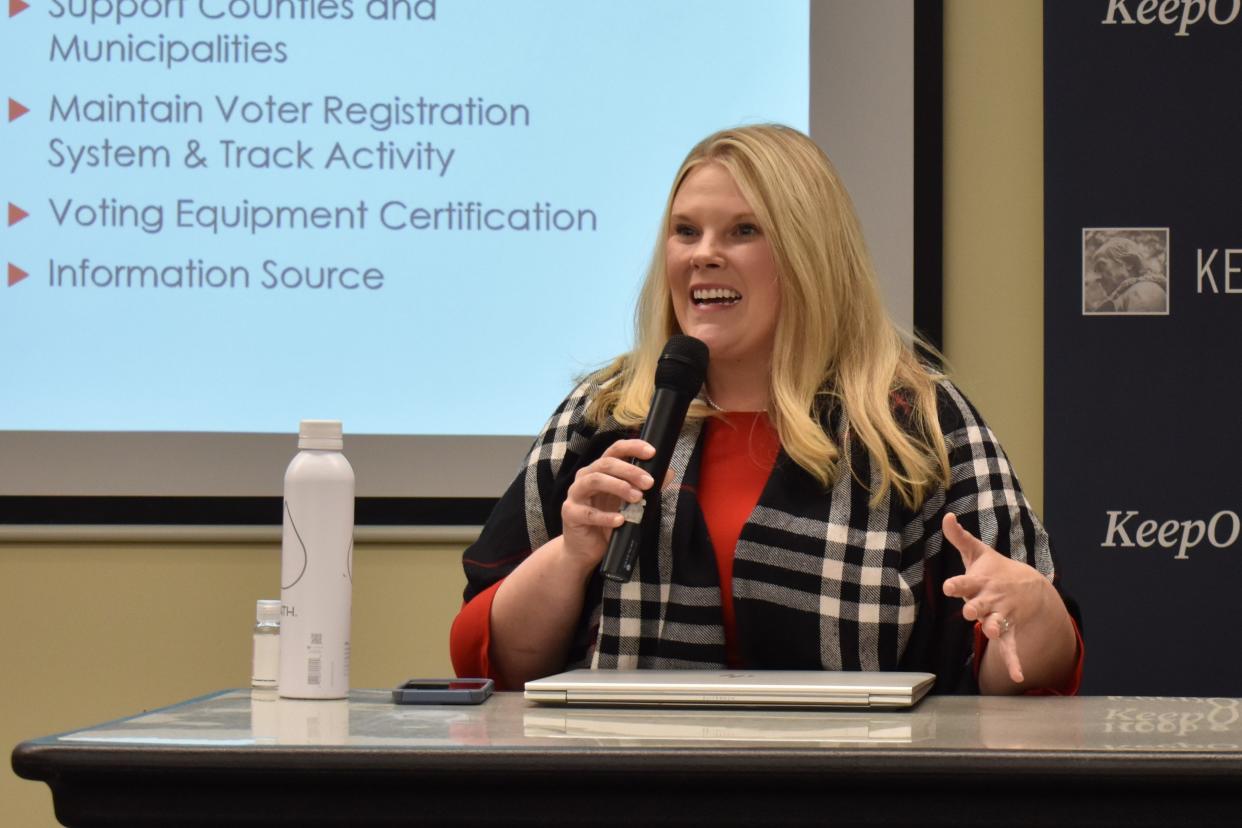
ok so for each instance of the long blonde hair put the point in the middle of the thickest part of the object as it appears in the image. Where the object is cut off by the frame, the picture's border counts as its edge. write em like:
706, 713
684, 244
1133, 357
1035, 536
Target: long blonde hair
834, 342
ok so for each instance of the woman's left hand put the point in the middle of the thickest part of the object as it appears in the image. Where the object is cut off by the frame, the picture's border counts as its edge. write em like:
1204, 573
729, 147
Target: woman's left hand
1008, 597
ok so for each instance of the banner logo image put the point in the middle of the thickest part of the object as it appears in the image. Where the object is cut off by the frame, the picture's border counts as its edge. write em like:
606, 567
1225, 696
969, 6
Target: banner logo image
1125, 271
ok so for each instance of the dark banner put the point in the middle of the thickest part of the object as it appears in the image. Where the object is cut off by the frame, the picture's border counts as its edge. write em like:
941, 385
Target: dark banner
1143, 336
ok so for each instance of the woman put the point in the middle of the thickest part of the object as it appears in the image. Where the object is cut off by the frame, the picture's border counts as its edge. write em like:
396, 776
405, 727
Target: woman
802, 521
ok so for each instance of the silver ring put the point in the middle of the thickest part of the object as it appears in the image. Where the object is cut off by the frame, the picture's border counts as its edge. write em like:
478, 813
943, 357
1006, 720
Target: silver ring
1005, 625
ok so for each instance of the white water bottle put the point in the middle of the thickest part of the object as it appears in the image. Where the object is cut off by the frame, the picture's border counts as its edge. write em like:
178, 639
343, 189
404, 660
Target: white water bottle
316, 566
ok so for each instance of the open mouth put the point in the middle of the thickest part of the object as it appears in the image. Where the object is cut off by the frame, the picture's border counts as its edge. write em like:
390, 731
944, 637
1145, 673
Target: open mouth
715, 296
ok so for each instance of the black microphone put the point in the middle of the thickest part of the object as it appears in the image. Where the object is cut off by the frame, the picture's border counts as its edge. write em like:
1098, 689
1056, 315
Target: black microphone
678, 378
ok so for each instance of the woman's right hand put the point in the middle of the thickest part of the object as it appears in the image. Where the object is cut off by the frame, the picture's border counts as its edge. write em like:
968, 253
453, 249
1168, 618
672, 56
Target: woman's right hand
536, 608
591, 508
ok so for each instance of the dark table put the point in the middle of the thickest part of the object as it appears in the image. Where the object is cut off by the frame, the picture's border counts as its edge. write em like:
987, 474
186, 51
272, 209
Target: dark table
229, 759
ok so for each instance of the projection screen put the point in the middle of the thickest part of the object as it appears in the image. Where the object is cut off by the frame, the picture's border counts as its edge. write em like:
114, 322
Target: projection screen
425, 219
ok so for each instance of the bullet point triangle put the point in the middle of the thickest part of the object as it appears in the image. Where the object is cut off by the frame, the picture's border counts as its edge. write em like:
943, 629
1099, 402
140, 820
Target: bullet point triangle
16, 214
16, 274
16, 7
16, 110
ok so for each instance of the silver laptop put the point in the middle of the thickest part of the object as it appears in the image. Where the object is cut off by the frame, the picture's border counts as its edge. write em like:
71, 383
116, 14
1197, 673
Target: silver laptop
730, 688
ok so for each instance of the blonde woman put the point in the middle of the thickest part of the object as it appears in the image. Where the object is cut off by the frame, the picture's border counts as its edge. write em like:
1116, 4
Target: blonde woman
803, 519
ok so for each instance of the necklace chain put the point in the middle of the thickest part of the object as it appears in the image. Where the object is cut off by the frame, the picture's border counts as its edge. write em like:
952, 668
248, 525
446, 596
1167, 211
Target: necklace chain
710, 402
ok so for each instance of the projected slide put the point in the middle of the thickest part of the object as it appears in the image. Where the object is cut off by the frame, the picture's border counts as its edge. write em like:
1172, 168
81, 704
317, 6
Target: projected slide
417, 216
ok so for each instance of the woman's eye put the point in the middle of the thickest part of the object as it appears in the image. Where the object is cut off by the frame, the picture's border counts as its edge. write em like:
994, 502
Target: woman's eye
683, 230
747, 230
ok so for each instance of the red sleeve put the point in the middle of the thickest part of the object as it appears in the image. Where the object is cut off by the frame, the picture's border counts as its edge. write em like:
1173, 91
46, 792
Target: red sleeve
470, 636
1070, 688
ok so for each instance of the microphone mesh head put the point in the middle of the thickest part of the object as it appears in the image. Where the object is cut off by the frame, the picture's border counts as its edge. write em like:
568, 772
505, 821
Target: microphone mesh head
683, 365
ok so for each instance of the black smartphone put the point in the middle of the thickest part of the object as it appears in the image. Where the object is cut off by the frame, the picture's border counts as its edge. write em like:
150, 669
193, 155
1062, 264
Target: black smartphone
443, 691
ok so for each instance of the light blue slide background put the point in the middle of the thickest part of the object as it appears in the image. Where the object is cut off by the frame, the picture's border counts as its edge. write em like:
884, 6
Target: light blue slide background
474, 332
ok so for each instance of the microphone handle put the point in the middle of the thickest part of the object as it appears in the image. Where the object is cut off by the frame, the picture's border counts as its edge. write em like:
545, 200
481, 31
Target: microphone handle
664, 421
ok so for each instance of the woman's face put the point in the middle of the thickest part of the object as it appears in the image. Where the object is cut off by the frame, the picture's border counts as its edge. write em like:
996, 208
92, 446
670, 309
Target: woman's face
721, 271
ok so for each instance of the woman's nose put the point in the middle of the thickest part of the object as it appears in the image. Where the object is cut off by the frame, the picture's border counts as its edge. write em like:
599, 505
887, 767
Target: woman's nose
706, 253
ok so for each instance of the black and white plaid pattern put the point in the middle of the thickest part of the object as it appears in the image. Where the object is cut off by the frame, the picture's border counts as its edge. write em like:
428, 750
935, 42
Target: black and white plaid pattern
821, 579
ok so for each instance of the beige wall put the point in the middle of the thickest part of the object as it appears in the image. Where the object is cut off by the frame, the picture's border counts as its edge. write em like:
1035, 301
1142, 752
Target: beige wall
994, 220
96, 631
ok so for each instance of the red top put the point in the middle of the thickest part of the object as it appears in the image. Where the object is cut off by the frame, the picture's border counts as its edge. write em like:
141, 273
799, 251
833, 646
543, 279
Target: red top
738, 454
739, 451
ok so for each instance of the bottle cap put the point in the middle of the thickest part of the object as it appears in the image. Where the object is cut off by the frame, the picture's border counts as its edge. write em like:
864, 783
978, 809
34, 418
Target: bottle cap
267, 610
320, 434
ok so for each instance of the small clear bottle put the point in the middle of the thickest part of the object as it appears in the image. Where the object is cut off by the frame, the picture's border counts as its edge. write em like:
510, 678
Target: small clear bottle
266, 665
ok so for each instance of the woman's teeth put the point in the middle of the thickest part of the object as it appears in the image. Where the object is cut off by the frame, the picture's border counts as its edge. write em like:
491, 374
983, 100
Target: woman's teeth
715, 296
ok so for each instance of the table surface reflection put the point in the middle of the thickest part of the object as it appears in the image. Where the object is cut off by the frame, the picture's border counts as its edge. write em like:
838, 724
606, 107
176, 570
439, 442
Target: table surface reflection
1144, 761
368, 719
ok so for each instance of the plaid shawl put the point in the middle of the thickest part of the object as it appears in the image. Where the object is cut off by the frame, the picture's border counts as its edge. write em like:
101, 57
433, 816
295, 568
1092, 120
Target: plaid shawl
821, 579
